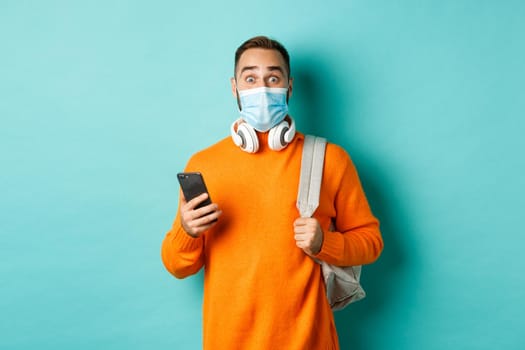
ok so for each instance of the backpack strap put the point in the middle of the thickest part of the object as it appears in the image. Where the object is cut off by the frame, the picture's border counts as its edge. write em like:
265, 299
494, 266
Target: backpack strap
342, 283
311, 175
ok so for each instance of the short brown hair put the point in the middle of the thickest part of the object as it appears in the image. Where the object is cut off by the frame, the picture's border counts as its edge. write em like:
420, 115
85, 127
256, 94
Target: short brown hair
262, 42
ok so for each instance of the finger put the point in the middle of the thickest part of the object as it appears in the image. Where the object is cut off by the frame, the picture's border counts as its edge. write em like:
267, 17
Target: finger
305, 229
208, 220
198, 226
301, 230
191, 204
202, 224
301, 221
193, 216
305, 238
206, 210
306, 222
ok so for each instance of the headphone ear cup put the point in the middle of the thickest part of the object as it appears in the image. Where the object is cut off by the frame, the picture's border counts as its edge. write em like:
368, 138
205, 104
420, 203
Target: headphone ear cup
250, 142
276, 138
290, 133
237, 140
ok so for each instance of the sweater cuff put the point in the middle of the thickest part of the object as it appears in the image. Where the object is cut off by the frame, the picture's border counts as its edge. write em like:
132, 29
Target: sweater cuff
185, 241
333, 243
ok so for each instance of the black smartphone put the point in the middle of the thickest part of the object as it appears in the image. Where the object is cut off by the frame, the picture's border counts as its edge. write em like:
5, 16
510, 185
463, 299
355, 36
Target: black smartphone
192, 185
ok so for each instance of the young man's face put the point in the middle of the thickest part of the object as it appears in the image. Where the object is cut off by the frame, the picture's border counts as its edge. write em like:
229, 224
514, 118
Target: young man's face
261, 67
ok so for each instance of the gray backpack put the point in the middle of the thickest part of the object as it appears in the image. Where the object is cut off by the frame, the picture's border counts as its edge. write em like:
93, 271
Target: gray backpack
342, 283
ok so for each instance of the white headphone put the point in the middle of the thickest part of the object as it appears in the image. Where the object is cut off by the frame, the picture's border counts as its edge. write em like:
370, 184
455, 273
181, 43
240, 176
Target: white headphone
245, 136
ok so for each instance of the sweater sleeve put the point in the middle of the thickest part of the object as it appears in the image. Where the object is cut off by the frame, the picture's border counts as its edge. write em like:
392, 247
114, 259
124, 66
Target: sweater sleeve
356, 239
182, 254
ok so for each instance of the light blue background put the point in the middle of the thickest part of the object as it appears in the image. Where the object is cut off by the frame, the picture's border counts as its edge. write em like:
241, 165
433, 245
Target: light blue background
102, 103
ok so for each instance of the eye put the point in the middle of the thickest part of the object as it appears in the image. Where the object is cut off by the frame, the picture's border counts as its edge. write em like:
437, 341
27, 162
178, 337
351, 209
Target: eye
273, 80
250, 80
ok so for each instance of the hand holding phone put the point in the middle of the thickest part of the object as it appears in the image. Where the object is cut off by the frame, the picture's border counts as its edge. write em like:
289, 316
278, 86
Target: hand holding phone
192, 185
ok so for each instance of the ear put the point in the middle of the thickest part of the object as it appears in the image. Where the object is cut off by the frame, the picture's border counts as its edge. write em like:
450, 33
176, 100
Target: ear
234, 87
290, 87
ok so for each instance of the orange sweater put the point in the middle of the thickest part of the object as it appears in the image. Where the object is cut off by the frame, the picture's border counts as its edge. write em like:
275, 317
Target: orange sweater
260, 290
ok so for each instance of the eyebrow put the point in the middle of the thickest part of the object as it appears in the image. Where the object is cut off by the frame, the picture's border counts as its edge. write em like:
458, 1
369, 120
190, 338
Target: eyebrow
247, 68
270, 68
278, 68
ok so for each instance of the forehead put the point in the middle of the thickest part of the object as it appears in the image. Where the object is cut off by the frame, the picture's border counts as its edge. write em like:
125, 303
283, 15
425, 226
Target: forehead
260, 59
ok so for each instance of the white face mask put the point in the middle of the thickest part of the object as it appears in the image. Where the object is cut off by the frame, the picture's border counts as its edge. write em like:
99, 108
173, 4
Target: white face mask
263, 108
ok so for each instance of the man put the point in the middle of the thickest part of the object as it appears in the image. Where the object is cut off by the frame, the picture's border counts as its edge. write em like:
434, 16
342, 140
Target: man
262, 287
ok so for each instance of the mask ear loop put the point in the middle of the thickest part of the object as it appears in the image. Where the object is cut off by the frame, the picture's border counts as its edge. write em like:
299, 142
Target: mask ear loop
288, 92
237, 95
238, 101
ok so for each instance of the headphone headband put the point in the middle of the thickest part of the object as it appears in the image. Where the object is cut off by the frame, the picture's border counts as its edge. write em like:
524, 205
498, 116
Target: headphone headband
245, 136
